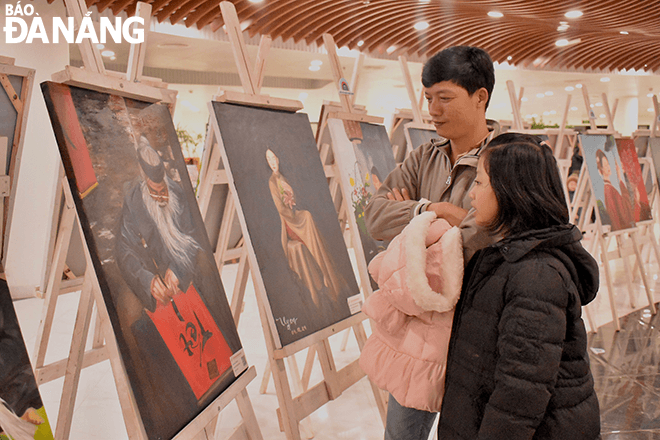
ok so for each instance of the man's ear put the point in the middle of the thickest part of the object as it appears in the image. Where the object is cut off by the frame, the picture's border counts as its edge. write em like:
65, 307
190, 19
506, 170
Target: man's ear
482, 96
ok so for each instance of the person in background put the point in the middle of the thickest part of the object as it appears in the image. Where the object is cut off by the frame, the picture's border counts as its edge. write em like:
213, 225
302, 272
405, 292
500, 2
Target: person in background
437, 177
517, 365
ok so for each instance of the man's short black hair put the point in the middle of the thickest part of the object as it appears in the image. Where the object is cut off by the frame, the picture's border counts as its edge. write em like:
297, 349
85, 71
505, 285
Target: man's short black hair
525, 178
466, 66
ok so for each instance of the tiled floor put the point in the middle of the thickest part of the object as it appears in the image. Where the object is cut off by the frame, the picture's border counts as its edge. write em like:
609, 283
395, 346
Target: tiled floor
626, 367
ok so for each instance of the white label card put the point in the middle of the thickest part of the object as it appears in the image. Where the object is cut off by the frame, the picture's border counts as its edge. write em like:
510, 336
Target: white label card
238, 362
355, 303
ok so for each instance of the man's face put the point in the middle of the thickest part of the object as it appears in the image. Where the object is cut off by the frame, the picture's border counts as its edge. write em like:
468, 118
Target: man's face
159, 192
455, 113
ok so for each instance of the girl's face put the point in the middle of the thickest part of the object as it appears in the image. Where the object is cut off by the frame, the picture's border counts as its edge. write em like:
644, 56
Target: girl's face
483, 197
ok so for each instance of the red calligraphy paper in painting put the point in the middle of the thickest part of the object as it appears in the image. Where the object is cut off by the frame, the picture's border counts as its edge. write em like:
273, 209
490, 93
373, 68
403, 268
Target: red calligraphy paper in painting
76, 145
194, 339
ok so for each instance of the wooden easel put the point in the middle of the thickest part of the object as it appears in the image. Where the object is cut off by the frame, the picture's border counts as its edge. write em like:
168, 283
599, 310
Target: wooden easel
419, 119
104, 343
20, 101
292, 409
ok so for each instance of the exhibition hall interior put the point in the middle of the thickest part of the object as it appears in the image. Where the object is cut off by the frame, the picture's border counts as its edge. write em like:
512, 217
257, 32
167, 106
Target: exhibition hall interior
194, 229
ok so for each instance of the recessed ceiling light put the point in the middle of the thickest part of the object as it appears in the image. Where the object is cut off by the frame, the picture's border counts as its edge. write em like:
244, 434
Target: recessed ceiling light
540, 95
578, 86
599, 104
591, 105
553, 112
650, 109
573, 14
113, 58
535, 115
100, 46
314, 68
108, 53
549, 93
391, 49
524, 99
316, 62
574, 108
569, 88
256, 1
495, 14
562, 27
605, 79
421, 25
528, 116
623, 32
602, 115
509, 58
360, 43
546, 113
561, 43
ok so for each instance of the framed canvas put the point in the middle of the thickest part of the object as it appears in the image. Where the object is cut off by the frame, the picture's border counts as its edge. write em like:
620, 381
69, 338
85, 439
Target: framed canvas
416, 136
606, 172
150, 251
632, 176
365, 159
654, 146
22, 412
285, 206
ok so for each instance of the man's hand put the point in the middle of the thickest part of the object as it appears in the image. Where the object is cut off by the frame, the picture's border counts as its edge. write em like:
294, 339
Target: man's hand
399, 196
452, 213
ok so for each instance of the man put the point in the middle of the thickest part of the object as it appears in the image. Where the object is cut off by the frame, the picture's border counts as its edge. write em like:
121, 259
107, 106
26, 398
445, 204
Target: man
437, 176
158, 251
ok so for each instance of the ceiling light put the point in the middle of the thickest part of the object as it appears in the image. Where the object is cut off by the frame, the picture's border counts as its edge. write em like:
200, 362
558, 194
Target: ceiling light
605, 79
113, 58
391, 49
524, 99
256, 1
650, 110
360, 43
569, 88
602, 116
509, 58
562, 27
573, 14
535, 115
599, 104
578, 86
623, 32
549, 93
314, 68
553, 112
574, 108
421, 25
540, 95
591, 105
561, 43
108, 53
100, 46
546, 113
495, 14
528, 116
316, 62
649, 95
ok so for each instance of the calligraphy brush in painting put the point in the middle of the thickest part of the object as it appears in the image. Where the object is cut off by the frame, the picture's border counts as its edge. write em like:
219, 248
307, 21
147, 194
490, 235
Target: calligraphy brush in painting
160, 278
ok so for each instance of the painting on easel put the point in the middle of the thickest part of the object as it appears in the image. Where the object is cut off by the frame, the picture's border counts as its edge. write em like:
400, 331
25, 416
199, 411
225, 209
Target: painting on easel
9, 117
292, 223
148, 245
419, 136
22, 413
609, 184
632, 173
367, 159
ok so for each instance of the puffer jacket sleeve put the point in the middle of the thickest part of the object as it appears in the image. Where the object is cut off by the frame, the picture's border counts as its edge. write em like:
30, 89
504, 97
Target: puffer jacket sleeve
531, 329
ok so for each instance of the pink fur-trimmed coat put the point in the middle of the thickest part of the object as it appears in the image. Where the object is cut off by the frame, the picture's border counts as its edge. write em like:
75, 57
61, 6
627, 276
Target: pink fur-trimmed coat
406, 353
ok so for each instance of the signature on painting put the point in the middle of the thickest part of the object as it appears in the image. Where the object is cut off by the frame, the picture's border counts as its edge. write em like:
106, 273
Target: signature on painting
287, 322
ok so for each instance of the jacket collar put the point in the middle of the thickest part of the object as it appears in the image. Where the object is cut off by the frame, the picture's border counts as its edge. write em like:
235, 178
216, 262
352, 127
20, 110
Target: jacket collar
515, 247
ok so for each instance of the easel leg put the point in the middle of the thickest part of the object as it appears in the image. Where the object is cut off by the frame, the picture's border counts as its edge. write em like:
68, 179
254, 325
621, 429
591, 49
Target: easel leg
608, 277
238, 295
626, 267
642, 272
248, 415
344, 341
264, 380
305, 424
309, 364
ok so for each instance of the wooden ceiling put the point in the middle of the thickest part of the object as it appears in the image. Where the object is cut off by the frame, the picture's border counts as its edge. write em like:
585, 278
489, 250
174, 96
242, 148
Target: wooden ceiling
525, 35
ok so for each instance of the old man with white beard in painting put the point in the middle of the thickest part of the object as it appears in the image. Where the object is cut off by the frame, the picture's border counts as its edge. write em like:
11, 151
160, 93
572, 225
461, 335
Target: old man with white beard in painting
183, 351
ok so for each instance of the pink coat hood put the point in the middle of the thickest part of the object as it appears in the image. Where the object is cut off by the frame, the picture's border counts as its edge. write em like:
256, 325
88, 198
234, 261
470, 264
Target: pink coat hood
413, 310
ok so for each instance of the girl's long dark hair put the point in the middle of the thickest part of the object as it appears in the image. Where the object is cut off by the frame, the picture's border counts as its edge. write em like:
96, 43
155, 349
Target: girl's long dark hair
525, 179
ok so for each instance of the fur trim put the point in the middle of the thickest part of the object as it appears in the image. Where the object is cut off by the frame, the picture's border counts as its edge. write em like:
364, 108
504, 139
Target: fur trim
452, 274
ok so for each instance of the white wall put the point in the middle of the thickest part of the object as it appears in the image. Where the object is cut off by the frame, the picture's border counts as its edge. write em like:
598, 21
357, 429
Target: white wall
33, 209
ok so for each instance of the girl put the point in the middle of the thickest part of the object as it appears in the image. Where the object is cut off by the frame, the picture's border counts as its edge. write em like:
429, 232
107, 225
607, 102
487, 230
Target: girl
419, 276
517, 364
